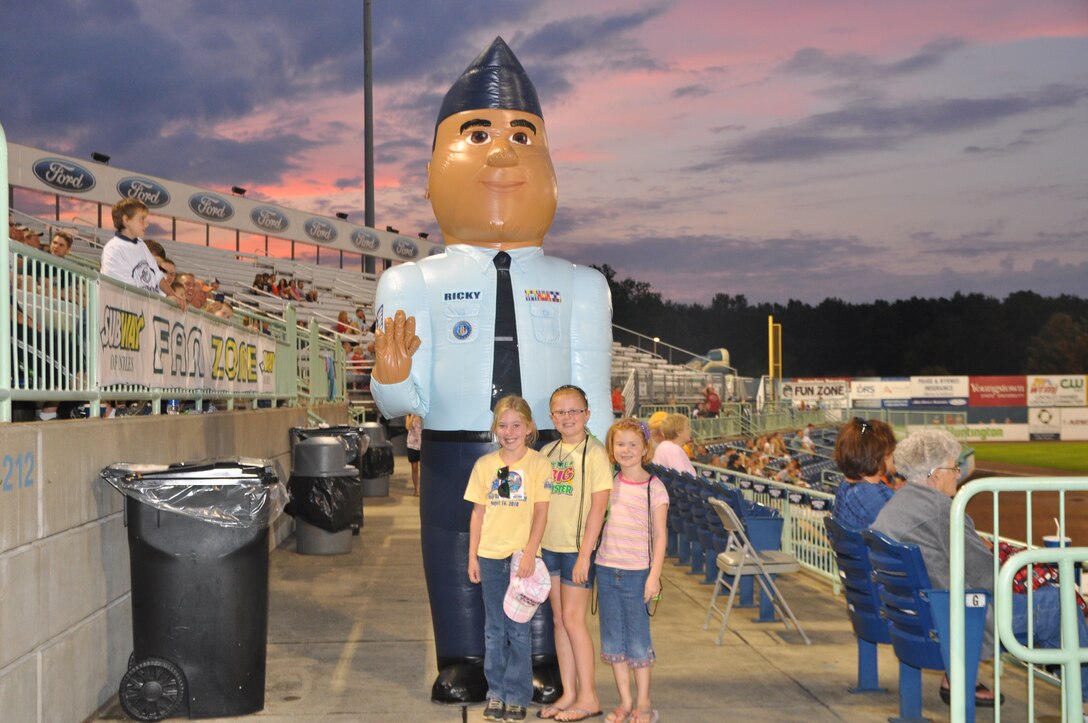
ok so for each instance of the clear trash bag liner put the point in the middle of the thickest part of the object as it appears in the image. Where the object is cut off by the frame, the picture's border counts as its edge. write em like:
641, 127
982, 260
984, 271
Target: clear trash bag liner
240, 492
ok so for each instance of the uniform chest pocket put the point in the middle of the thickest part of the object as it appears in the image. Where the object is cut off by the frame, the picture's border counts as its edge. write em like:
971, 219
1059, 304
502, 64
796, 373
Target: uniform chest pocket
546, 320
463, 322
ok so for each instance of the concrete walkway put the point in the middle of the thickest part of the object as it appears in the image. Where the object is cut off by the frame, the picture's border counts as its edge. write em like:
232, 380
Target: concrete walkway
350, 640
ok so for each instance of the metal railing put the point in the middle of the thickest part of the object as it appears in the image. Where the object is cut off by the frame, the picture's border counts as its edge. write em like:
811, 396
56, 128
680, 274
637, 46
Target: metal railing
803, 511
1070, 656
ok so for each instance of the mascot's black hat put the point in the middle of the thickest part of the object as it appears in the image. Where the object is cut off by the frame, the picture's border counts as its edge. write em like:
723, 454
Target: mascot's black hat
494, 80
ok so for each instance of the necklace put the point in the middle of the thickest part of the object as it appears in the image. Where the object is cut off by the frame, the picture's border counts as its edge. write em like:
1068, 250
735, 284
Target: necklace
564, 457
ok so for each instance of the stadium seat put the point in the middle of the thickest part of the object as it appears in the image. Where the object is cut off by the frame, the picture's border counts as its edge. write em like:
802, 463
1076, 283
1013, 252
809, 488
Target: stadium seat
918, 624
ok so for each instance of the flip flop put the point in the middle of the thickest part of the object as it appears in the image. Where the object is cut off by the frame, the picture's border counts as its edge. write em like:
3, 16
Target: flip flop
544, 712
980, 702
619, 715
638, 716
581, 714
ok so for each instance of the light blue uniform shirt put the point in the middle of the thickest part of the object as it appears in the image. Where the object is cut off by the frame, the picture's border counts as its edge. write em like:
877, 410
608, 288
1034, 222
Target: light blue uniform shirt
564, 322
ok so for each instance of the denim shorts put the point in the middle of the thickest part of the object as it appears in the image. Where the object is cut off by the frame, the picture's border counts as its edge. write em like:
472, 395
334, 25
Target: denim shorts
625, 622
562, 564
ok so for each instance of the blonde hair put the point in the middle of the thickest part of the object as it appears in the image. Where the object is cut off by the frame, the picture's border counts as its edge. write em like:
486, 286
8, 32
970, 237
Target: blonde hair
673, 425
514, 403
630, 424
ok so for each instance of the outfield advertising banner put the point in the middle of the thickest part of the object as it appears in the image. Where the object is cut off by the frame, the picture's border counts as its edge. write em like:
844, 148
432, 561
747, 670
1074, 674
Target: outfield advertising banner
982, 432
815, 390
145, 342
1056, 390
998, 391
1045, 424
1074, 424
939, 387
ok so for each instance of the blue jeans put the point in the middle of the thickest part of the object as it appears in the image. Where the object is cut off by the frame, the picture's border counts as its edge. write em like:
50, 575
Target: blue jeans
508, 665
561, 565
1047, 618
625, 622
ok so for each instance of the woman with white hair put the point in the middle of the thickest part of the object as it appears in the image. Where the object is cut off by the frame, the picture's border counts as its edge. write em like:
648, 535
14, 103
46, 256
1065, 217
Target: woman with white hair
920, 513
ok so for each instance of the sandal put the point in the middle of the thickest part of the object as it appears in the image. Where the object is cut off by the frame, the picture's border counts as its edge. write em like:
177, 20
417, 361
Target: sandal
980, 701
639, 716
618, 715
550, 712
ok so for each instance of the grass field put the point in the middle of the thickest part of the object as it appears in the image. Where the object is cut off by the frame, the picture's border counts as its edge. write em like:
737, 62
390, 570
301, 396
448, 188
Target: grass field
1071, 456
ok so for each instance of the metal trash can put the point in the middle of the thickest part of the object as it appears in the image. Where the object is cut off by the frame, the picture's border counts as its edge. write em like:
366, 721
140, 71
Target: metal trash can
377, 464
355, 441
198, 543
325, 496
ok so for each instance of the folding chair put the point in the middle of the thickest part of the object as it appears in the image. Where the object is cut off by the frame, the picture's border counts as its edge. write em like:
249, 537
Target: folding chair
739, 559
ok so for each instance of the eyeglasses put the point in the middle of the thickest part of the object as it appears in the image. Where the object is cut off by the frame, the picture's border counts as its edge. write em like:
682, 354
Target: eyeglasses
504, 488
935, 470
567, 412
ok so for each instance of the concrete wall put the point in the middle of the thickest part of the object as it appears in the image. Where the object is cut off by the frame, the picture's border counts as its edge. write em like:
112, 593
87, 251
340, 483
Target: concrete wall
65, 615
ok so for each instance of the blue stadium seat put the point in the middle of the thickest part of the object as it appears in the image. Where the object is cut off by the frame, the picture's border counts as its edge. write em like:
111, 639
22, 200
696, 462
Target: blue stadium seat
917, 618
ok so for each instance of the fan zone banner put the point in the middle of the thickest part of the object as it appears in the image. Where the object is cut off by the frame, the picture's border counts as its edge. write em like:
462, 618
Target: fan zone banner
145, 342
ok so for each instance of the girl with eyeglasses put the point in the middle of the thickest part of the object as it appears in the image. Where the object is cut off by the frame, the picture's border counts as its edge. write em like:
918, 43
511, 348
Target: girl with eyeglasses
629, 564
581, 481
509, 492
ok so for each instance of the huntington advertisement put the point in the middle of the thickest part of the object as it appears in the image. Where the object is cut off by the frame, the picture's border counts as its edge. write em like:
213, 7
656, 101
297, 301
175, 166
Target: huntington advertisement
145, 342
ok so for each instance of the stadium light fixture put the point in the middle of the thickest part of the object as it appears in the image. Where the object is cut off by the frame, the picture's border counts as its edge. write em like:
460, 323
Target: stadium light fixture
390, 229
341, 215
238, 190
100, 158
423, 235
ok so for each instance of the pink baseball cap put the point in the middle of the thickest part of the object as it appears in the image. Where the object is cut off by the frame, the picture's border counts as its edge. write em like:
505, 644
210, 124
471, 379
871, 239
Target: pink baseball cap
526, 594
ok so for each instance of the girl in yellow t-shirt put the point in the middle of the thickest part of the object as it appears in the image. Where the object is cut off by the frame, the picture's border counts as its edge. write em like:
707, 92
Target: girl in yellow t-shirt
581, 479
509, 492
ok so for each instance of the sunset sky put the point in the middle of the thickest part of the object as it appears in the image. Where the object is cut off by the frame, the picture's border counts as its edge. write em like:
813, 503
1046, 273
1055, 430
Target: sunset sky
777, 149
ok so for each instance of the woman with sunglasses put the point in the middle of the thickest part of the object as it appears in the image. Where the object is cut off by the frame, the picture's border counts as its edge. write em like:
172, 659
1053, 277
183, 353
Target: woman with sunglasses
863, 452
509, 496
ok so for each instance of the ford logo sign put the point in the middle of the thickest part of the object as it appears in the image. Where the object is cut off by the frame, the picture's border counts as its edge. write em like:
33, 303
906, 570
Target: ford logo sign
319, 230
436, 250
270, 219
211, 206
405, 249
150, 193
365, 239
64, 175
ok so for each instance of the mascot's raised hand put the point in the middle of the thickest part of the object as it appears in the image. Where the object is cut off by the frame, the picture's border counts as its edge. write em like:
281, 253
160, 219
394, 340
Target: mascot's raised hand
393, 349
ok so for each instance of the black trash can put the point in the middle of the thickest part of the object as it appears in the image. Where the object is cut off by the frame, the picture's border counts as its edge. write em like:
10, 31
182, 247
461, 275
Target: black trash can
198, 542
356, 442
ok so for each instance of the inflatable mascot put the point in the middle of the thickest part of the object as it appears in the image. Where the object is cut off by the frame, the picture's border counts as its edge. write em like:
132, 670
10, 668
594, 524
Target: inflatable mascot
491, 316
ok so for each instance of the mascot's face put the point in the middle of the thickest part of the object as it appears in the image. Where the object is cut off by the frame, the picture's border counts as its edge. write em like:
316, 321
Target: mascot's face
490, 179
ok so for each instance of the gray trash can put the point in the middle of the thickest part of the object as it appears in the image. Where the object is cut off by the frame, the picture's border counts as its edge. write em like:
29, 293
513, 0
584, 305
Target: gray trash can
325, 496
377, 464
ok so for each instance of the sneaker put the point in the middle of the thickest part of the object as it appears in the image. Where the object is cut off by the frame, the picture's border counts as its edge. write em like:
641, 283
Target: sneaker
494, 710
514, 712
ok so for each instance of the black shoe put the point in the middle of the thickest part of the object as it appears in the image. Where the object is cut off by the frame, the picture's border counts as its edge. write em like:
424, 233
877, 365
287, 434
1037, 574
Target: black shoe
514, 712
980, 702
460, 682
547, 685
495, 710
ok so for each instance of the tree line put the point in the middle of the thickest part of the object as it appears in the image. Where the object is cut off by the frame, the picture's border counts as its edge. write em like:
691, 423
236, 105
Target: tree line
1024, 333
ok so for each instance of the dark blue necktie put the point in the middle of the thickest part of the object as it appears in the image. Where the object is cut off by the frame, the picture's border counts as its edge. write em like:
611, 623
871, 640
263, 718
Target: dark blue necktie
506, 369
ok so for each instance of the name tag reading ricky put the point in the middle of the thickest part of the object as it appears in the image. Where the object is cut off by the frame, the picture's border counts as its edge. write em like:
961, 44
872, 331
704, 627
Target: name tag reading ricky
974, 600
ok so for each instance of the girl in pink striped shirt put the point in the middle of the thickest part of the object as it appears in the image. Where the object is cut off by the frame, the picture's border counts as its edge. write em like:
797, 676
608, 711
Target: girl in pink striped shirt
629, 564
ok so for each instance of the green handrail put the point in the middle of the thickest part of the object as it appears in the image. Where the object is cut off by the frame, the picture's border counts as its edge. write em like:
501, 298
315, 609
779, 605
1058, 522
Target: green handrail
1070, 656
995, 486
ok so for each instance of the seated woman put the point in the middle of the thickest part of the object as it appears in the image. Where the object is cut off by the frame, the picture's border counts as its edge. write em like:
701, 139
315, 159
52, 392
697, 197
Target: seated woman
675, 432
863, 452
920, 514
